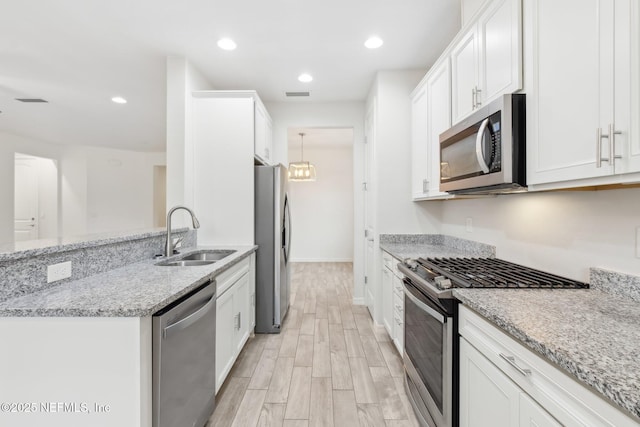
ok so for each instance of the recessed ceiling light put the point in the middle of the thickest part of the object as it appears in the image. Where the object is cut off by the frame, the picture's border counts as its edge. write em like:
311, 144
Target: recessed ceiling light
119, 100
305, 78
373, 42
227, 44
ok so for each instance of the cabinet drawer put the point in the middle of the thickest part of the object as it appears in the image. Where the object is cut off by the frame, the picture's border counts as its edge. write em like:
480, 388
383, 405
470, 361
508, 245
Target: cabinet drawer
229, 277
398, 288
387, 260
570, 402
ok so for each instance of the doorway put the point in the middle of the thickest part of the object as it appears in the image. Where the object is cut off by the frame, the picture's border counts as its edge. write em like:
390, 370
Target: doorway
35, 197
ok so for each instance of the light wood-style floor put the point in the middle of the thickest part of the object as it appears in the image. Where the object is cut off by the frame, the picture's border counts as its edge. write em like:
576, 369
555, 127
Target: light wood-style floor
330, 366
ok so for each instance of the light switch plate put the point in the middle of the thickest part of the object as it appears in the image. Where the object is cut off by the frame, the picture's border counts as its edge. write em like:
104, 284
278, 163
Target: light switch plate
469, 225
58, 271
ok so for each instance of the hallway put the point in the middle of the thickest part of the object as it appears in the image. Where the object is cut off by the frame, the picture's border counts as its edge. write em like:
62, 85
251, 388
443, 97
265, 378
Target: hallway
330, 366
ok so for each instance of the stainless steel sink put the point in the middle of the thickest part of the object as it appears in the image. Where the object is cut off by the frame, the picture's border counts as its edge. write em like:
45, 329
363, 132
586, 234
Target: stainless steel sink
209, 255
184, 263
203, 257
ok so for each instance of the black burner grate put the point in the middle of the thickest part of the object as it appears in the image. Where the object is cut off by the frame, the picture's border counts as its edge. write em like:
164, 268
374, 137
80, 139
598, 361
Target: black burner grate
495, 273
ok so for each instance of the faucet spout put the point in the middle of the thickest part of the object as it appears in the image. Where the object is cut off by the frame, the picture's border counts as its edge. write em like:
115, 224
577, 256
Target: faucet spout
169, 244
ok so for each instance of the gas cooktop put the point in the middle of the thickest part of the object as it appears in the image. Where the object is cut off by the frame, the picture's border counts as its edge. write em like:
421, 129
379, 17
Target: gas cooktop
446, 273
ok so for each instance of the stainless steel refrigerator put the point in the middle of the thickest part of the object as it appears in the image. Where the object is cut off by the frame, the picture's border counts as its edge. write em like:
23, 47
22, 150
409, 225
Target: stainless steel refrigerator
273, 237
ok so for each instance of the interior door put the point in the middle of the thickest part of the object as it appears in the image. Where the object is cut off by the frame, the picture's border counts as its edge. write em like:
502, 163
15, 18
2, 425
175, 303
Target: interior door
369, 210
26, 199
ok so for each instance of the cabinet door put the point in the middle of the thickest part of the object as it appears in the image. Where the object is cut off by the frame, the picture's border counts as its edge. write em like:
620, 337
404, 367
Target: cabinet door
387, 300
500, 38
438, 120
627, 85
487, 396
242, 305
261, 149
225, 336
464, 75
570, 94
533, 415
419, 157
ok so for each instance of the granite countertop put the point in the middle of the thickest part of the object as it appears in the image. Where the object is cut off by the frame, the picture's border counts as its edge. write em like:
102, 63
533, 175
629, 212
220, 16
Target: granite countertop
402, 246
592, 335
136, 290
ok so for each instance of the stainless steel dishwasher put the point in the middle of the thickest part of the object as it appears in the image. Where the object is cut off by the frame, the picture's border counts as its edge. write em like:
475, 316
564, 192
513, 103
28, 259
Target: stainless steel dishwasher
184, 374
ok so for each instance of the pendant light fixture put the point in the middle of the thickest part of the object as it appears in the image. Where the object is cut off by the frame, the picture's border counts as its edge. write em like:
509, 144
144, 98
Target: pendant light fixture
302, 171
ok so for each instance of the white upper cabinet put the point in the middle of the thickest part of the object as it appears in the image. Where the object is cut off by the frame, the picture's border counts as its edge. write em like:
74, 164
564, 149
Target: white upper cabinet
419, 159
582, 85
263, 133
431, 115
486, 61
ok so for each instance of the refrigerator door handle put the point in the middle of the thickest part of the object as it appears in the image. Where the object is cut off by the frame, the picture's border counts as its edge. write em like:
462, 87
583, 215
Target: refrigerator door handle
287, 229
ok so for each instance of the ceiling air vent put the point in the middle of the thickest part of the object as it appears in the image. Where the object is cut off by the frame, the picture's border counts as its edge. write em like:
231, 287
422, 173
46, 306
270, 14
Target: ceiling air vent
31, 100
296, 94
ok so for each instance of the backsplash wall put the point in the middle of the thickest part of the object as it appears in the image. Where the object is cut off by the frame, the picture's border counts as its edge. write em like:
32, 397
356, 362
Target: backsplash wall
564, 232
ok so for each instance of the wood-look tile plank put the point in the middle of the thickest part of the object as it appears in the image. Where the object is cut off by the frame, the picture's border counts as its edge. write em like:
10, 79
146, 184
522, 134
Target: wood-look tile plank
363, 385
289, 343
310, 304
278, 391
334, 314
370, 415
308, 324
299, 394
393, 359
273, 341
304, 352
381, 334
248, 413
228, 401
296, 423
321, 406
372, 351
321, 359
400, 423
402, 394
348, 322
363, 323
248, 359
340, 370
390, 403
321, 331
354, 344
336, 338
345, 411
272, 415
264, 370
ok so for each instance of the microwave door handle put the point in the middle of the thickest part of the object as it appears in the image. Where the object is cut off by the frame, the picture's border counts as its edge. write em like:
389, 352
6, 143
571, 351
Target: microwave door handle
479, 155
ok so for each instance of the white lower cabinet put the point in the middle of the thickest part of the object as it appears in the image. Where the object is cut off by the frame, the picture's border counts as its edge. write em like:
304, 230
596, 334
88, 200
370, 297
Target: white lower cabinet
502, 383
392, 300
236, 293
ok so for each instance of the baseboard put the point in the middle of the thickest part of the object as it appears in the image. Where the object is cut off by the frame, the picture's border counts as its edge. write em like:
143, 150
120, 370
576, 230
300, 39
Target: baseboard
321, 259
358, 301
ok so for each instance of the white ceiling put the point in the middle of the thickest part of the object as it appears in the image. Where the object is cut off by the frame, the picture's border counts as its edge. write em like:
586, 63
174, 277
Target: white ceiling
77, 54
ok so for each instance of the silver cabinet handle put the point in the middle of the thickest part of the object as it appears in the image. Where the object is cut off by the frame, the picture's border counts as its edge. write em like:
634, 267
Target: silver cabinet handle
398, 307
512, 361
599, 158
236, 322
612, 142
239, 320
479, 154
473, 98
425, 184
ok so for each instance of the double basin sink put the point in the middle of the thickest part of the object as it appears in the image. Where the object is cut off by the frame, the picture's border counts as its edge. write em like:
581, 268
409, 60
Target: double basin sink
202, 257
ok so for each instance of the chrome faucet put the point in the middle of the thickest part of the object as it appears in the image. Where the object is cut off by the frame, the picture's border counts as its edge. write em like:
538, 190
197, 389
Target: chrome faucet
168, 250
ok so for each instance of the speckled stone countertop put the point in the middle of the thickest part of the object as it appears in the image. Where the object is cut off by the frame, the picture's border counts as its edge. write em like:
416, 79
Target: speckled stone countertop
403, 246
136, 290
592, 335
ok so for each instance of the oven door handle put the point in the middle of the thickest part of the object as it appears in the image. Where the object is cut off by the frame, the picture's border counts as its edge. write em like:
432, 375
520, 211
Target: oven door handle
424, 307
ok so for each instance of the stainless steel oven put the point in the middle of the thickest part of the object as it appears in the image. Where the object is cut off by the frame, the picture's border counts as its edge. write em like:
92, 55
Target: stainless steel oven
429, 357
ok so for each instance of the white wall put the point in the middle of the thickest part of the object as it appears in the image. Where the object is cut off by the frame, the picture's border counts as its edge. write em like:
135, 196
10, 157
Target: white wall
47, 198
120, 189
340, 114
182, 79
322, 211
561, 232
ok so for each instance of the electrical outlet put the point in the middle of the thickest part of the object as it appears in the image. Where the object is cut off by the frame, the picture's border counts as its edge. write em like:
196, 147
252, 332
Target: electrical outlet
58, 271
469, 224
637, 242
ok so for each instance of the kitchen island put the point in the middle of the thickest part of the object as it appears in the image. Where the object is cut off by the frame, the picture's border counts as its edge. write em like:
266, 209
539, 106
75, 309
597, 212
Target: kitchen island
80, 353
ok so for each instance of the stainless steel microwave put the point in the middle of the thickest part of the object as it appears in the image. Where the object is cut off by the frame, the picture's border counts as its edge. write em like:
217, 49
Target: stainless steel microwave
486, 152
